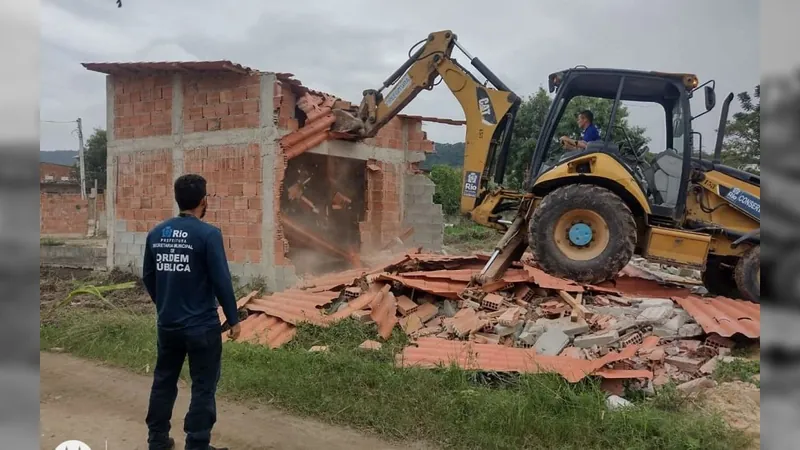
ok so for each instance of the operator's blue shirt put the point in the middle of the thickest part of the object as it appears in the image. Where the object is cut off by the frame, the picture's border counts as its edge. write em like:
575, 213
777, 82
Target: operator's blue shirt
591, 133
184, 269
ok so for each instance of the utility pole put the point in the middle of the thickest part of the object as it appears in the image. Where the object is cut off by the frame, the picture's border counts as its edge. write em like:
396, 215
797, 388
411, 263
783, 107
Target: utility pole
80, 156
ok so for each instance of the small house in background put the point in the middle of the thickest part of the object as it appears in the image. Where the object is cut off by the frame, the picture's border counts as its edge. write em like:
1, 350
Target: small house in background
56, 173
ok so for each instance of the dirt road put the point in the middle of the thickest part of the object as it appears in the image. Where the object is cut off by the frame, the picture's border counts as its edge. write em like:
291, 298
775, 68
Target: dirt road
96, 404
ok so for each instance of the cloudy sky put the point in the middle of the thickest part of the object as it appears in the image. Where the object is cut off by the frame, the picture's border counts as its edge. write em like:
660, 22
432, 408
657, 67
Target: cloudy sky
346, 46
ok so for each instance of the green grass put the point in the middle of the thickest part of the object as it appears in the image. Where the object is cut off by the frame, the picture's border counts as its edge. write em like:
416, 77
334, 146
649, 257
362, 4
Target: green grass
739, 369
467, 235
447, 407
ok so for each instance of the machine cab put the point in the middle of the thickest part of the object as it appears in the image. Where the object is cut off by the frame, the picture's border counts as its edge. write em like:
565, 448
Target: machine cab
659, 160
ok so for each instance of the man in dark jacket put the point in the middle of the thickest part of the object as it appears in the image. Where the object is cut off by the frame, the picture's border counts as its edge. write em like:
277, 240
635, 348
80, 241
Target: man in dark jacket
184, 269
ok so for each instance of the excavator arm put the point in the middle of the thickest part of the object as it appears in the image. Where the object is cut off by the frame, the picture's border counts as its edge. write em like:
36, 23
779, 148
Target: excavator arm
489, 113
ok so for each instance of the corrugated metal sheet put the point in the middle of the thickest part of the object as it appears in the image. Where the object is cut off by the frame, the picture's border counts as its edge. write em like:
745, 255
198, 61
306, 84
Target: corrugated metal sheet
449, 289
295, 306
433, 352
239, 305
723, 315
640, 287
510, 276
129, 68
547, 281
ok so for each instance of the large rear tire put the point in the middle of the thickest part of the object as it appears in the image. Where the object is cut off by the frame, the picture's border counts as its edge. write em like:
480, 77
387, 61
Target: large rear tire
719, 278
748, 274
582, 232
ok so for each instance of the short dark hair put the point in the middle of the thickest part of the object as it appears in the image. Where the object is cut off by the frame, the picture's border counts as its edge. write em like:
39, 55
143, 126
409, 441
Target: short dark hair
190, 190
588, 114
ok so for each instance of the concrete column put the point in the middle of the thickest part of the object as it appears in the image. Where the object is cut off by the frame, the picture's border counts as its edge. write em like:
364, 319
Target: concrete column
111, 173
177, 131
267, 142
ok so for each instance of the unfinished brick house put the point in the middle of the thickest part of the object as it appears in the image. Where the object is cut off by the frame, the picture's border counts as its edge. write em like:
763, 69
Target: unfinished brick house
289, 195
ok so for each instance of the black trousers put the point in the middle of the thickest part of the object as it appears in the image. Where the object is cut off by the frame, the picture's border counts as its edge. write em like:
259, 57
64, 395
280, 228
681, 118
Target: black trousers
203, 346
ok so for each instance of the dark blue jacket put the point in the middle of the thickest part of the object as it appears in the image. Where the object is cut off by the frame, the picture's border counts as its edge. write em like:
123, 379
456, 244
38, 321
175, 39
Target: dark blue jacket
591, 133
184, 269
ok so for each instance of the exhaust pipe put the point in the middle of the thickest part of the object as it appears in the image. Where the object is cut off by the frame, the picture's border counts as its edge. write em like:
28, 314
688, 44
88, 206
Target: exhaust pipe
723, 122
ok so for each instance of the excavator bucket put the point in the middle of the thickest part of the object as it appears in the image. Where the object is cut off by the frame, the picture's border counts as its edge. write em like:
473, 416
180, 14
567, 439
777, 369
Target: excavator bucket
347, 123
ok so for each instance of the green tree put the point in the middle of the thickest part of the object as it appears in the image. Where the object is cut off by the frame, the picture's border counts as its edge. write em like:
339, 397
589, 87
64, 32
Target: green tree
448, 187
742, 144
530, 121
445, 153
94, 158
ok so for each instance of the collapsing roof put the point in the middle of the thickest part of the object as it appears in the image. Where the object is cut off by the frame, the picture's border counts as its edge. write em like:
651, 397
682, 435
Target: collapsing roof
220, 66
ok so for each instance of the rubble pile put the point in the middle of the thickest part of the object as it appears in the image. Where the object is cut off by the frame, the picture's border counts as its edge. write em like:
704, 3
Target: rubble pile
528, 321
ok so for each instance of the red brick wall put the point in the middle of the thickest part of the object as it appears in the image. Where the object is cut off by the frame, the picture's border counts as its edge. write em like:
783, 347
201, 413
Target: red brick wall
144, 189
65, 213
284, 103
391, 136
382, 220
55, 170
234, 181
221, 102
142, 106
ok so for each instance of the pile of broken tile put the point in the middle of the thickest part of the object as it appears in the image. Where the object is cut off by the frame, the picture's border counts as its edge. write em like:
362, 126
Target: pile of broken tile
634, 327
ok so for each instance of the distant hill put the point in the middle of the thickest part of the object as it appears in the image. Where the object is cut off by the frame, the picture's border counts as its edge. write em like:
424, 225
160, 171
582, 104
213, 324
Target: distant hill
63, 157
447, 154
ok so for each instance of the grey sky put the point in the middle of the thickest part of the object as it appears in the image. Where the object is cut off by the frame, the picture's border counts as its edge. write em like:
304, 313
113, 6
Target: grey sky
346, 46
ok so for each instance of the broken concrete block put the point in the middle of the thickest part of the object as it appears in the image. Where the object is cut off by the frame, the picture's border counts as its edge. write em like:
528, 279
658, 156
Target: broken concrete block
551, 342
470, 304
690, 330
655, 315
370, 345
530, 333
685, 364
510, 317
601, 339
449, 308
340, 307
697, 385
319, 348
645, 303
502, 330
614, 402
624, 325
675, 322
664, 331
619, 312
566, 325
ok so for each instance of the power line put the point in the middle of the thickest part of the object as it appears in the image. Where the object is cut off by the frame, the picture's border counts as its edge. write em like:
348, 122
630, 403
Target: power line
58, 121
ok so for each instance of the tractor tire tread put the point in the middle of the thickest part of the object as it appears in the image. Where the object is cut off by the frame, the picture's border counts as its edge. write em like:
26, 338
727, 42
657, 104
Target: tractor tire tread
606, 265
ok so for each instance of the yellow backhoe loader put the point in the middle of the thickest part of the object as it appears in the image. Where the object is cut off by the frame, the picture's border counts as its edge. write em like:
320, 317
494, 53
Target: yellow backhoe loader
584, 213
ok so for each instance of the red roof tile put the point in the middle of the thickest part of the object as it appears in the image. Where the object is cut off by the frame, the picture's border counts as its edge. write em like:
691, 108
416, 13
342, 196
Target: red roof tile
167, 66
295, 306
265, 330
723, 315
433, 352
